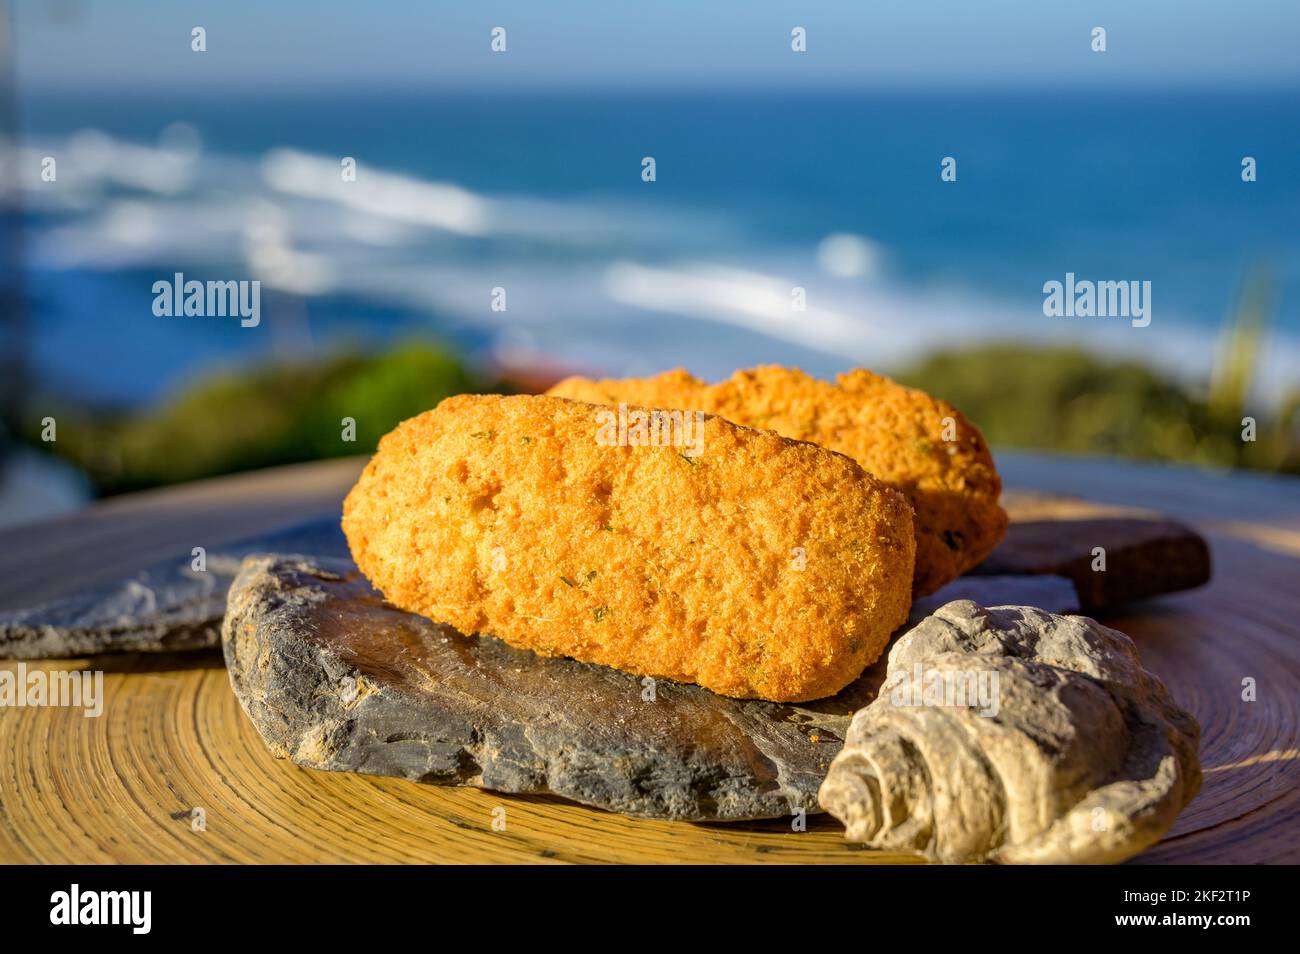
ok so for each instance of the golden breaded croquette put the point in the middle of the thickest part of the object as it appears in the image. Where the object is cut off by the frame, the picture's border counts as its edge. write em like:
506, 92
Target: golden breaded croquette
917, 444
753, 565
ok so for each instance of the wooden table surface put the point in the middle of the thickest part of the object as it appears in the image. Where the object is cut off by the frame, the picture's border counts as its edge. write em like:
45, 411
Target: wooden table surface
122, 787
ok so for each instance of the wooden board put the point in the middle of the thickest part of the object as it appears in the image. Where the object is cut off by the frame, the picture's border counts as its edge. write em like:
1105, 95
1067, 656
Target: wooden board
121, 787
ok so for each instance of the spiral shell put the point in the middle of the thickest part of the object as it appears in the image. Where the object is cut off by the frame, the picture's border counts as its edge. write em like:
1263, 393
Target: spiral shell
1014, 735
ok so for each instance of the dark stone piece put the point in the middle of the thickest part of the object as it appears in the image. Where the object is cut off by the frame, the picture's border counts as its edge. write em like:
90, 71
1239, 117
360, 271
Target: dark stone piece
1144, 558
169, 607
1052, 594
334, 678
164, 608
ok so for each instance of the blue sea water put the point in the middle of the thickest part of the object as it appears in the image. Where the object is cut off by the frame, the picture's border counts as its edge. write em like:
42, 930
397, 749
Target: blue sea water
837, 193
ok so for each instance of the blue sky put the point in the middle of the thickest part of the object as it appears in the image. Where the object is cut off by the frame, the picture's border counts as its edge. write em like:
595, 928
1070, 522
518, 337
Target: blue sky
134, 45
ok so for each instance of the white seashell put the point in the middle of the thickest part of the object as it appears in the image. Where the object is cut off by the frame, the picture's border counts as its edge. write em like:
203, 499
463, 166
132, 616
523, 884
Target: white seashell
1018, 736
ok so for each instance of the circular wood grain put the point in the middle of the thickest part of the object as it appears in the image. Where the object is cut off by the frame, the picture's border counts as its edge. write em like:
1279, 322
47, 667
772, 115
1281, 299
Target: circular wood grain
122, 787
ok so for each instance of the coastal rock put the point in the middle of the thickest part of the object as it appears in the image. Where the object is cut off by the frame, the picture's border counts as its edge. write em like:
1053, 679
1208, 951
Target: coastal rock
1017, 736
336, 679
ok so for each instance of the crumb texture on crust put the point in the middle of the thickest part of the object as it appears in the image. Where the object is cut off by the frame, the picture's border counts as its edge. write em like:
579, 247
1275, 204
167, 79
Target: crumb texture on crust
898, 434
761, 568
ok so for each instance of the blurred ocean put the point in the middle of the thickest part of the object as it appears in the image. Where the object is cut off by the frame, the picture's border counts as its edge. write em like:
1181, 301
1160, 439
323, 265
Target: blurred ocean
755, 194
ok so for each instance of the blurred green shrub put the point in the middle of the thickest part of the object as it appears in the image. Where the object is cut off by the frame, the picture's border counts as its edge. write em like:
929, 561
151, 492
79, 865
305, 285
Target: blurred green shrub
1038, 399
1067, 399
279, 413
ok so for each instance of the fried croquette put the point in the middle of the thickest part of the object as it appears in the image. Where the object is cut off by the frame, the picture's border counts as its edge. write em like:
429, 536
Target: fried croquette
917, 444
753, 565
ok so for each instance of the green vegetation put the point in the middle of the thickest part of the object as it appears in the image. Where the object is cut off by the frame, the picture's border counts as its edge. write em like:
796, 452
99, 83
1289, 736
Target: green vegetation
276, 414
1041, 399
1066, 399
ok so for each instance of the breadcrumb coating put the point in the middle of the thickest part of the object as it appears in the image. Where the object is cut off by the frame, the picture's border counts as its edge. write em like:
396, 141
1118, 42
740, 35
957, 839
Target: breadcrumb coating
918, 444
761, 568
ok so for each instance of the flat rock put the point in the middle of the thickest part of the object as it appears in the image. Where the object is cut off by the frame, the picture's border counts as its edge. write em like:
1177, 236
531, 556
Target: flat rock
169, 607
1144, 558
164, 608
1055, 594
334, 678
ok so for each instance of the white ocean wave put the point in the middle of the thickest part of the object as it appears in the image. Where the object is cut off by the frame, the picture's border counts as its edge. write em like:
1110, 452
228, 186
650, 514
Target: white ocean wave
589, 281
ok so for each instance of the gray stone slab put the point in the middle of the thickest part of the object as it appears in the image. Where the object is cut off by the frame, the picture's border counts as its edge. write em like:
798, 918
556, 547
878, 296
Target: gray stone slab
334, 678
164, 608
